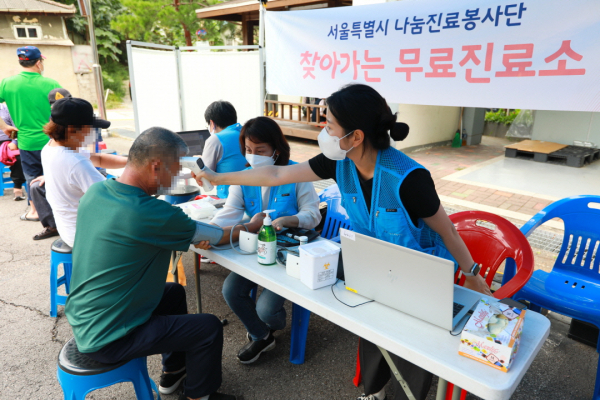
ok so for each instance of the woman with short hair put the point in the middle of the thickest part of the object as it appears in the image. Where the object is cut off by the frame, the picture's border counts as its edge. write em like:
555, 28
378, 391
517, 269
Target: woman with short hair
295, 205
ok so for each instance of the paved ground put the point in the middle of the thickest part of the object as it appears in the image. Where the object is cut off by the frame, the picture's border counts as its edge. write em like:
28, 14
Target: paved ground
30, 340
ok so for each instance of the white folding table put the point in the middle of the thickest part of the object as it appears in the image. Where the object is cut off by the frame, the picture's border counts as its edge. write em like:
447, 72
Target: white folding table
428, 346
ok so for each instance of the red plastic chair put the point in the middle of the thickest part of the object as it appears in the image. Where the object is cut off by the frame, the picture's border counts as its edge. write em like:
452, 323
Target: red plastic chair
491, 240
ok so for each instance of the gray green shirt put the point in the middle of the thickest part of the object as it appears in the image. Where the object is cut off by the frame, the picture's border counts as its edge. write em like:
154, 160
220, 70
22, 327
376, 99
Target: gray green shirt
121, 256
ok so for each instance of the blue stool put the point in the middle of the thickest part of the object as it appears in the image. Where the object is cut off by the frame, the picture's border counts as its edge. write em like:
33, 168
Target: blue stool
78, 374
5, 183
61, 254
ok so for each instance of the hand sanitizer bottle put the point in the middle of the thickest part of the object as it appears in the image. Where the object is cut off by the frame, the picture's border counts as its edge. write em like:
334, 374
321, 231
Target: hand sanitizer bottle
267, 241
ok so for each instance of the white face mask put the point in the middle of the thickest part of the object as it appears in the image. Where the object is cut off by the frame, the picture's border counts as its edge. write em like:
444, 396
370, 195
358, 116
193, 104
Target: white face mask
41, 68
330, 145
257, 161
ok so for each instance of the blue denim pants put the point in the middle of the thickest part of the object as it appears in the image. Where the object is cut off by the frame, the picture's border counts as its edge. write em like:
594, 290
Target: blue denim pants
260, 317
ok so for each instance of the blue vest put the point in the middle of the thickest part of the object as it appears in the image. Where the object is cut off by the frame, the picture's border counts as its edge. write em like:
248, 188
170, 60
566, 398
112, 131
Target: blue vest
282, 199
232, 160
388, 219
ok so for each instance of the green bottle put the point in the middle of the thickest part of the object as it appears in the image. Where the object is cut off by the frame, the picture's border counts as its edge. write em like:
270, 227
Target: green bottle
267, 241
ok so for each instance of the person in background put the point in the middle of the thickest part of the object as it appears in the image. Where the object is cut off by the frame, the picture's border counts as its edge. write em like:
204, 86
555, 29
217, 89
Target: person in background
57, 94
16, 170
222, 150
120, 306
68, 165
26, 96
358, 156
296, 205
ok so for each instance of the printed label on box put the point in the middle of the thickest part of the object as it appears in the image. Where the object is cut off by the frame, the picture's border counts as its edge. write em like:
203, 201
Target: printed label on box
492, 334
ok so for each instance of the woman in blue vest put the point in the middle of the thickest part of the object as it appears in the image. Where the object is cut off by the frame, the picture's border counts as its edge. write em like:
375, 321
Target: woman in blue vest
296, 205
386, 194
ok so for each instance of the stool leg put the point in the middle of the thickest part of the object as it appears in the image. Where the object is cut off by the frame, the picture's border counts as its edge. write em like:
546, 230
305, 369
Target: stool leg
69, 386
142, 382
253, 294
300, 320
68, 268
53, 287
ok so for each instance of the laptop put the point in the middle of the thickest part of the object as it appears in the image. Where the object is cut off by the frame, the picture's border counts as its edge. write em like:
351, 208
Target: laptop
407, 280
195, 141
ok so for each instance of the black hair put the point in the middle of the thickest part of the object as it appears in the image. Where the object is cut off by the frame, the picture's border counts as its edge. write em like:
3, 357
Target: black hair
222, 113
358, 106
265, 130
28, 63
156, 143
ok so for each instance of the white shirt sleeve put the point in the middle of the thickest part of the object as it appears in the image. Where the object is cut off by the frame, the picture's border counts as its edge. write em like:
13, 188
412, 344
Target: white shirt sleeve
308, 206
212, 153
83, 175
233, 210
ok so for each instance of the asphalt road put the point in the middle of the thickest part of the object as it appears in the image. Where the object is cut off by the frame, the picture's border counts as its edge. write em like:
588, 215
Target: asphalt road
30, 339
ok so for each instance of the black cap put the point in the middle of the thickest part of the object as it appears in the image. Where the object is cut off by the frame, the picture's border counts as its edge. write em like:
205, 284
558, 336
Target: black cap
74, 111
57, 94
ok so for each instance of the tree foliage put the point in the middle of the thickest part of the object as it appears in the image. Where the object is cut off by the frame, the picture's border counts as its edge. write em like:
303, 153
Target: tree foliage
108, 40
171, 22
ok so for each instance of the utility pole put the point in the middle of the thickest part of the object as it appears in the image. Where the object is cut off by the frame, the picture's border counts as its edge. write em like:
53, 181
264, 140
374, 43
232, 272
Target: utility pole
85, 7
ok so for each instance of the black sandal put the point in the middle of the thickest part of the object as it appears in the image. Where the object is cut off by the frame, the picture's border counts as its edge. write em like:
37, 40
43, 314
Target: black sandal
46, 233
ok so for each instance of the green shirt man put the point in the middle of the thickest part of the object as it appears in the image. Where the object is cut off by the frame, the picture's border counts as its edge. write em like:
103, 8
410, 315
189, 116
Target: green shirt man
26, 96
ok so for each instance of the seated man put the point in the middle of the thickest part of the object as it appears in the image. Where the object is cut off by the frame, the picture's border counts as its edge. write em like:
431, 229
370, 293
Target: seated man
222, 149
68, 165
120, 307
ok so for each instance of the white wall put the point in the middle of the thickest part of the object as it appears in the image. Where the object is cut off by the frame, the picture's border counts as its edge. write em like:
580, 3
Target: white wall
566, 126
428, 124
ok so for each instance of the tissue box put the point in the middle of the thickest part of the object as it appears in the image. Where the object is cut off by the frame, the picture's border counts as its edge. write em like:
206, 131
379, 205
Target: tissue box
492, 334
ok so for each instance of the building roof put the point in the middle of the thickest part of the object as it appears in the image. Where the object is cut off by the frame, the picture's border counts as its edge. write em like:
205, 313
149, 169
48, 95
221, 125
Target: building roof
35, 6
232, 10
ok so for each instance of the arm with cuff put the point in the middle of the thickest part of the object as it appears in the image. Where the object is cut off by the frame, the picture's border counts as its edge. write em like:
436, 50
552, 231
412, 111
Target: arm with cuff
209, 234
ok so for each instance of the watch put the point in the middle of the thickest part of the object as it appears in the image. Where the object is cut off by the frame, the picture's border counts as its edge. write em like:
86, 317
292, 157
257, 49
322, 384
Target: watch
473, 271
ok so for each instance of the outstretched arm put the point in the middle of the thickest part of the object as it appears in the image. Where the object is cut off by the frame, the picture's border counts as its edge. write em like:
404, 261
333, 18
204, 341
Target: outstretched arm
264, 176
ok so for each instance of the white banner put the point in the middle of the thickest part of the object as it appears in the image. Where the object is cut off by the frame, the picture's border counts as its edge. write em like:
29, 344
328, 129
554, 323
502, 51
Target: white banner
531, 54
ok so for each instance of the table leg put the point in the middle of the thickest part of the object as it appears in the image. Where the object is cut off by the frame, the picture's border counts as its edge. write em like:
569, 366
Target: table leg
397, 374
197, 276
456, 393
174, 267
441, 389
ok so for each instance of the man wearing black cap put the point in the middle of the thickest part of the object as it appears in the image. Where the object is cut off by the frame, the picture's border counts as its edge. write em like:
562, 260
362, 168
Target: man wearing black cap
26, 96
69, 167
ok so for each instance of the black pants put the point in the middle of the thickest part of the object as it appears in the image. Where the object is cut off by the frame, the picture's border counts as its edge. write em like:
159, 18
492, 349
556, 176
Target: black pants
31, 161
16, 171
191, 340
376, 373
38, 196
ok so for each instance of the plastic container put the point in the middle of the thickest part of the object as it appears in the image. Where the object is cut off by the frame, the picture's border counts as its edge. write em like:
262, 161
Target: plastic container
318, 264
292, 266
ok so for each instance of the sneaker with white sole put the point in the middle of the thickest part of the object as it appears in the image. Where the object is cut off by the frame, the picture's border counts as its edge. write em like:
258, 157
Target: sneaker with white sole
170, 382
369, 397
251, 351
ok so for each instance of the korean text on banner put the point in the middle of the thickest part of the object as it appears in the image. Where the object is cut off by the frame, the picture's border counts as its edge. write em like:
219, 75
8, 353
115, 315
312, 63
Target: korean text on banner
531, 54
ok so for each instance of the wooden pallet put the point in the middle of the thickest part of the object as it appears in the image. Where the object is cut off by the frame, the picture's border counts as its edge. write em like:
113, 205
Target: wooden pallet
572, 156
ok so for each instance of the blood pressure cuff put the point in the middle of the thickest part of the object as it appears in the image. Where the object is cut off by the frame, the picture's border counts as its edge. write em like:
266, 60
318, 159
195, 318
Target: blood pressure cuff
204, 231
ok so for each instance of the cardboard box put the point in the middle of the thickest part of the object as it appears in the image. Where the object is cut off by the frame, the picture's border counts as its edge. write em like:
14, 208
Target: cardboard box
492, 334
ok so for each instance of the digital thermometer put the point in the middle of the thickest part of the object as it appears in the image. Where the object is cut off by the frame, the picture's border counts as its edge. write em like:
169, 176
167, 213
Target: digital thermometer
196, 165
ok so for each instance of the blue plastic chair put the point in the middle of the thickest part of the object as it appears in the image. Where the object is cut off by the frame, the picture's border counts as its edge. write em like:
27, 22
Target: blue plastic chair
61, 253
572, 288
336, 218
78, 374
5, 182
